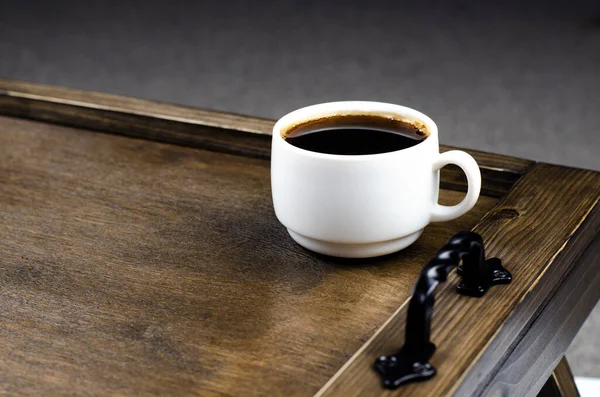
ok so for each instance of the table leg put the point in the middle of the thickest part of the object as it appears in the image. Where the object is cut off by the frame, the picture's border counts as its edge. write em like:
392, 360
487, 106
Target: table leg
560, 383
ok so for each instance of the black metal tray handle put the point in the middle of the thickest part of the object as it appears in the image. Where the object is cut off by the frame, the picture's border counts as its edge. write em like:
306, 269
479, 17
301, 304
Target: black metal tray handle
411, 362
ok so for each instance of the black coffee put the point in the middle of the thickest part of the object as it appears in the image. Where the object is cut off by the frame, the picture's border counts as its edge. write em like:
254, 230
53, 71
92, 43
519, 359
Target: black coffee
355, 135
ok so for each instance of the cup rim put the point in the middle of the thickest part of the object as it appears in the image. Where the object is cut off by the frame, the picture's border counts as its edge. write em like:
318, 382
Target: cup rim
346, 108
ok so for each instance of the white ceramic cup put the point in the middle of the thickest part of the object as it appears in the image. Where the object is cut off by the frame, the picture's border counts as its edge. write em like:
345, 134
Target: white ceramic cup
359, 206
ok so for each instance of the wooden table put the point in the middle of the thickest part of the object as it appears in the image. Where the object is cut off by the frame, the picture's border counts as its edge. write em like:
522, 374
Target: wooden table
140, 255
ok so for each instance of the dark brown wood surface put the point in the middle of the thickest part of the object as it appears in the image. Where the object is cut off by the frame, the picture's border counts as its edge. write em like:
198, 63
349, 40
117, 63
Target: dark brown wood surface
529, 363
218, 131
129, 266
561, 383
539, 229
135, 267
562, 377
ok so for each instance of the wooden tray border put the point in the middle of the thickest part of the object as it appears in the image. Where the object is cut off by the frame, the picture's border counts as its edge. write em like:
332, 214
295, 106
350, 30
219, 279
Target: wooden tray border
185, 126
483, 336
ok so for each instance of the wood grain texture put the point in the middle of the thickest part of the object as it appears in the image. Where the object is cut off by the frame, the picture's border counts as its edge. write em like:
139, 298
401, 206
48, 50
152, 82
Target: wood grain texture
527, 365
561, 383
539, 230
130, 267
217, 131
562, 377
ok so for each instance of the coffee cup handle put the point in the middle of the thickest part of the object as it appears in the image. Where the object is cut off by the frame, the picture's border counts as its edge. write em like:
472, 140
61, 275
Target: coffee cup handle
467, 163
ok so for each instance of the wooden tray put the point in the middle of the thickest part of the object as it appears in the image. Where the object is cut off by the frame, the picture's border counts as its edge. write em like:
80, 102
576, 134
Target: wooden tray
140, 255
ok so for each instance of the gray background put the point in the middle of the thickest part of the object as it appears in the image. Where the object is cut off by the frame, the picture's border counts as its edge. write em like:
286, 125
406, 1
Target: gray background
513, 77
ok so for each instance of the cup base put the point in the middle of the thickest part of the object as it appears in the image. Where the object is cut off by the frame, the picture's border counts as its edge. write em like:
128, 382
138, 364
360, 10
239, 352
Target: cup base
357, 250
